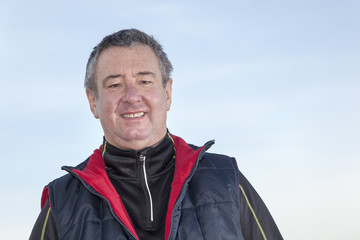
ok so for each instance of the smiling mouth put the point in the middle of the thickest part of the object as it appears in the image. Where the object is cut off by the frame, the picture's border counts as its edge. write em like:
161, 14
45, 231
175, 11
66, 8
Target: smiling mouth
133, 115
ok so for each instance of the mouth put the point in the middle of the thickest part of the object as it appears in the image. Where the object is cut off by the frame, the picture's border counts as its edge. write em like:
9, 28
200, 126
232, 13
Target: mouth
133, 115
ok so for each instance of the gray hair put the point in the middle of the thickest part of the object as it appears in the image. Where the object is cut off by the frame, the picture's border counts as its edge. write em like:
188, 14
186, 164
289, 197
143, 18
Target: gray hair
126, 38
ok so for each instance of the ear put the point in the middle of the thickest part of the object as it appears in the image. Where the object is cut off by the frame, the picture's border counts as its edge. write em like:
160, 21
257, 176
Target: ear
168, 92
92, 102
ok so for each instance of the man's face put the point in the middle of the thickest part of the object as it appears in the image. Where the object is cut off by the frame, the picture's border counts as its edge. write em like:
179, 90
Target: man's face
132, 102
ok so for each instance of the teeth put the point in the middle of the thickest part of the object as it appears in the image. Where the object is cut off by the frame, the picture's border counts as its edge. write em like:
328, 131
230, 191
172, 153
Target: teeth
134, 115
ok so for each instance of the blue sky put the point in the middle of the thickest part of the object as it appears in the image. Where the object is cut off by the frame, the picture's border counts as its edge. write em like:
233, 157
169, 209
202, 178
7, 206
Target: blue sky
276, 84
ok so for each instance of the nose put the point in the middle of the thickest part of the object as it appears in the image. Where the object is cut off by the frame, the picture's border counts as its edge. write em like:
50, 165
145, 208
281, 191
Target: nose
131, 95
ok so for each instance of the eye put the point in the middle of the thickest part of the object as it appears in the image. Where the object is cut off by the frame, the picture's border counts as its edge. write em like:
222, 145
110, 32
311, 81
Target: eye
145, 82
115, 85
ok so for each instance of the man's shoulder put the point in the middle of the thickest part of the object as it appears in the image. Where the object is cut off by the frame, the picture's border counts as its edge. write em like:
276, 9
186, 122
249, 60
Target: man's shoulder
218, 160
214, 173
218, 156
215, 159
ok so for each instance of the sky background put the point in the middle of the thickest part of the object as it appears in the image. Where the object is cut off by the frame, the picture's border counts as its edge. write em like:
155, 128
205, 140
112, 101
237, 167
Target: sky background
275, 83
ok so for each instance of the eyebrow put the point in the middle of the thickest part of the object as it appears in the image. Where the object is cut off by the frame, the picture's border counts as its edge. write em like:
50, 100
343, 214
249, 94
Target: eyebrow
145, 73
142, 73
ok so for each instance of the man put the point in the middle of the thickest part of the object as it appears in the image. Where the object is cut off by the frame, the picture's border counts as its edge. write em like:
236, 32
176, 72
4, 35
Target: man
143, 182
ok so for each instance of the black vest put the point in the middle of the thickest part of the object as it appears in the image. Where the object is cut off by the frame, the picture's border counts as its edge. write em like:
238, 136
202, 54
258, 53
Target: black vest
207, 207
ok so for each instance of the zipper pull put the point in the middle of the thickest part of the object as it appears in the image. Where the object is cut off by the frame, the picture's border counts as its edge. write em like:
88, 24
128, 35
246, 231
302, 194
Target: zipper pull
142, 157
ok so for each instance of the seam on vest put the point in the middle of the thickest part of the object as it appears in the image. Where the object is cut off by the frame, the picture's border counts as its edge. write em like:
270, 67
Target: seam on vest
253, 212
197, 219
206, 204
45, 223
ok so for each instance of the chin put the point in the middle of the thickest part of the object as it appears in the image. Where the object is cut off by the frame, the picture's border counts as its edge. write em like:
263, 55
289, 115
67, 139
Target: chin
136, 135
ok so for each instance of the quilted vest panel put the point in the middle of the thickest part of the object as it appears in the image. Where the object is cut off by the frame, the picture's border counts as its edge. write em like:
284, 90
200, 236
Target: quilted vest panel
210, 208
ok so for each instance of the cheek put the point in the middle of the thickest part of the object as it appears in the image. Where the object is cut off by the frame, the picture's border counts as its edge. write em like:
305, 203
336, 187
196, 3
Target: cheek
158, 102
103, 107
109, 102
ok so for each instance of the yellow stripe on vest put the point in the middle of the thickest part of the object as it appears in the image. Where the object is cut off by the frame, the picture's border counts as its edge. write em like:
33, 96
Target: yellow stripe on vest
253, 212
44, 226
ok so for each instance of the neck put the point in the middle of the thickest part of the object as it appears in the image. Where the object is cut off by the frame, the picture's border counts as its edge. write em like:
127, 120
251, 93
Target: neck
136, 144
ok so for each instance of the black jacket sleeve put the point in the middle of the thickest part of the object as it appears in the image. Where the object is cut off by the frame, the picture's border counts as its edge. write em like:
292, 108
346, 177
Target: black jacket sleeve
255, 219
44, 228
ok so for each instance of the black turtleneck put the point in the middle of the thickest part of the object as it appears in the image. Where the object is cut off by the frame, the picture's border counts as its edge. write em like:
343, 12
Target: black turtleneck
125, 169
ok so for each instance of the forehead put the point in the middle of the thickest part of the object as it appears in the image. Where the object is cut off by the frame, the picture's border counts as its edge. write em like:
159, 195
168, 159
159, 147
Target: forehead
125, 57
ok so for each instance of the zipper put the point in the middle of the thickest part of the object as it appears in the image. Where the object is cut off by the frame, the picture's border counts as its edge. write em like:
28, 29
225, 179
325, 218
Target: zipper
143, 160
